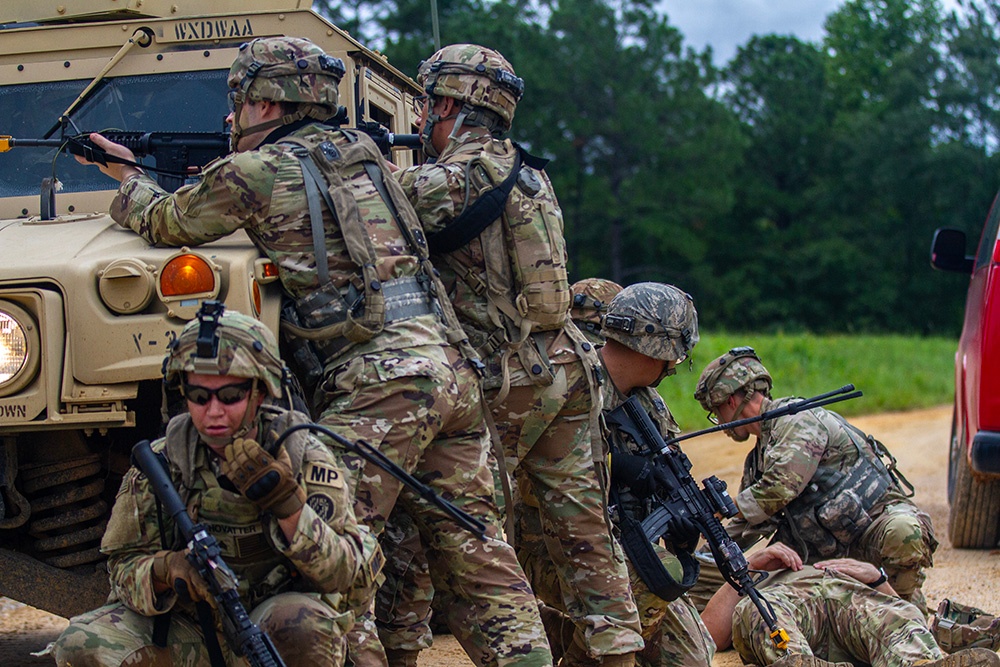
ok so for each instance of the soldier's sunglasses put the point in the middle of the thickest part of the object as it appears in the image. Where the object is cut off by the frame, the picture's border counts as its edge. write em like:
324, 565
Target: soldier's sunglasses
229, 394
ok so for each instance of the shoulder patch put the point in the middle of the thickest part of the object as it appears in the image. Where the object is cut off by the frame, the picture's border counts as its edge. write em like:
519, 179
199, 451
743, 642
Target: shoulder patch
322, 505
324, 474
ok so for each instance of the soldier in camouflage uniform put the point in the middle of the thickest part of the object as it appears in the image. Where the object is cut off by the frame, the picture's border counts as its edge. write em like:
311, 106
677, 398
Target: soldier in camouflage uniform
816, 480
296, 548
650, 328
504, 268
841, 611
591, 297
365, 318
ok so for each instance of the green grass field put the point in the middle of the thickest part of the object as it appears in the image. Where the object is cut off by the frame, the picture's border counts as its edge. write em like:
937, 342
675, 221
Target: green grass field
894, 372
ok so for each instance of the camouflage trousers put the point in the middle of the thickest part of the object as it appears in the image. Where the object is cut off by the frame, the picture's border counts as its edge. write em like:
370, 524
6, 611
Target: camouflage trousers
901, 540
421, 408
546, 440
835, 618
673, 633
304, 628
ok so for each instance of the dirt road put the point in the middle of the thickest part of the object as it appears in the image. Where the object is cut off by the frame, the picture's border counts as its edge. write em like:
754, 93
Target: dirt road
918, 439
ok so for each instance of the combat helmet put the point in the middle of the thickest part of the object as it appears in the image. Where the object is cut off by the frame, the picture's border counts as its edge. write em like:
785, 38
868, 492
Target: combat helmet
481, 78
591, 297
654, 319
284, 69
739, 368
218, 342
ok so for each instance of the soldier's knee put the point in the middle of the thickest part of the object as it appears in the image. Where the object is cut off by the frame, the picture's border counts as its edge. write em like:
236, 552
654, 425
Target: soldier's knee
904, 544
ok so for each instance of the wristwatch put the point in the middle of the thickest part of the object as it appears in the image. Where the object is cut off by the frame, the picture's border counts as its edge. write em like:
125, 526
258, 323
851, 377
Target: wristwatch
882, 578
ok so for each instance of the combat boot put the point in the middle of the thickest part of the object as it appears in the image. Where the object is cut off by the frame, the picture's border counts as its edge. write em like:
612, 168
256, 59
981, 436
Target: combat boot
968, 657
397, 657
803, 660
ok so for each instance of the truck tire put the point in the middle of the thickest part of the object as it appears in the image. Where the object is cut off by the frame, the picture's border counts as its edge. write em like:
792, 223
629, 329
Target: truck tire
974, 519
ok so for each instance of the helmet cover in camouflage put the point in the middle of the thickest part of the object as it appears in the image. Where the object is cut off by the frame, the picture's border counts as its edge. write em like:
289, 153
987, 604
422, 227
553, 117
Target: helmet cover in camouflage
653, 319
591, 297
246, 349
737, 369
957, 626
288, 69
476, 75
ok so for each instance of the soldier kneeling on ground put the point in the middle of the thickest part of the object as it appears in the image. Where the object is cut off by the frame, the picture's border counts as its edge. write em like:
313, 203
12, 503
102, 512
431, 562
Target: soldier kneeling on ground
296, 550
840, 611
818, 483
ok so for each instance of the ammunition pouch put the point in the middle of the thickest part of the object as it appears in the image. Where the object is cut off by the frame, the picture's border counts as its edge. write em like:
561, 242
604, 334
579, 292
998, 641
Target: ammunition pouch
957, 626
319, 327
834, 510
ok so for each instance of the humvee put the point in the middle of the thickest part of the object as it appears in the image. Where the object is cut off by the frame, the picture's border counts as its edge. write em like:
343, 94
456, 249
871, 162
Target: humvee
87, 309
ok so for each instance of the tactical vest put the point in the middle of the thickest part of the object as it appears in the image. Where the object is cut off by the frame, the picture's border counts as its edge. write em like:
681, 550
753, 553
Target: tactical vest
325, 323
517, 219
836, 507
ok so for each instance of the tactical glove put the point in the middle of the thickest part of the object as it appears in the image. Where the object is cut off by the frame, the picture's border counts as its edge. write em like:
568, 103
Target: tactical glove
638, 473
174, 569
682, 533
267, 481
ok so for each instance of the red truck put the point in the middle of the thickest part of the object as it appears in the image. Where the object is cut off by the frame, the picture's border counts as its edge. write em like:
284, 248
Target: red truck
974, 461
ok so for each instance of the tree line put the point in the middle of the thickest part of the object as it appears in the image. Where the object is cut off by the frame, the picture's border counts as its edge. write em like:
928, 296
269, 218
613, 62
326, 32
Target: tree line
795, 188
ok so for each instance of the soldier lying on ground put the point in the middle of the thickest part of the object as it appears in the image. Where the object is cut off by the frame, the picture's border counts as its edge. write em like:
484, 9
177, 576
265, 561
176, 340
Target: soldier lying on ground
842, 611
817, 482
296, 549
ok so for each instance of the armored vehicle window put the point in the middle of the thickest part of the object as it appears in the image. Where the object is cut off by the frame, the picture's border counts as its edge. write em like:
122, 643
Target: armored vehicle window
172, 102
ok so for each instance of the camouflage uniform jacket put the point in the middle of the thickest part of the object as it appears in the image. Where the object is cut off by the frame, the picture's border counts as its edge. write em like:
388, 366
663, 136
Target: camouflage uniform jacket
324, 555
440, 192
797, 459
262, 192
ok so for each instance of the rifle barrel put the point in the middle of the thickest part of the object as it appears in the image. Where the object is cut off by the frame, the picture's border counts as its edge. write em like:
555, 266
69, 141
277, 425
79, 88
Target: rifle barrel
834, 396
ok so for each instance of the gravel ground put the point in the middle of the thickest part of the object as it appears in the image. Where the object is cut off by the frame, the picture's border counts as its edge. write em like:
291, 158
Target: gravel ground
918, 439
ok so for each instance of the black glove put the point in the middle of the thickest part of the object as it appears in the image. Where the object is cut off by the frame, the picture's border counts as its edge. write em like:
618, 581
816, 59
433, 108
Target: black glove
638, 473
682, 533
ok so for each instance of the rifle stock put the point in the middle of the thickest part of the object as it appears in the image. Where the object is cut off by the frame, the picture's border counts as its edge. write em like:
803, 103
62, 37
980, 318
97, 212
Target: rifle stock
204, 553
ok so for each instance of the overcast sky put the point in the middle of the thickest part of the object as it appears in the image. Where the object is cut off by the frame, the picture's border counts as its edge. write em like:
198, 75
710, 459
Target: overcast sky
727, 24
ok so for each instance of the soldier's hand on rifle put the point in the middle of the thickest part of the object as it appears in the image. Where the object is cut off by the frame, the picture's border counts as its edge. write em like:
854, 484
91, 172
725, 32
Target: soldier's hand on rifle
682, 533
119, 172
174, 571
638, 473
267, 481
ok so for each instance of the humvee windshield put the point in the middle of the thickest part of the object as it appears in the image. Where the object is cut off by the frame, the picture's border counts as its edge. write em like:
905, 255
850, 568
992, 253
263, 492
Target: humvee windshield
172, 102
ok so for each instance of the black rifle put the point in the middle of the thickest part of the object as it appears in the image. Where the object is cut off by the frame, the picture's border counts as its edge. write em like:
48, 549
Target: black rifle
374, 456
683, 498
386, 140
204, 553
178, 155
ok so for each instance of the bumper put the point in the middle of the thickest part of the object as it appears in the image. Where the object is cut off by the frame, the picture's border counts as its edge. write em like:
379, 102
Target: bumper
985, 453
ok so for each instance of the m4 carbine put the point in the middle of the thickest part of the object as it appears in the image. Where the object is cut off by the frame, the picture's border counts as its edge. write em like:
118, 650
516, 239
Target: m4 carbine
681, 498
205, 554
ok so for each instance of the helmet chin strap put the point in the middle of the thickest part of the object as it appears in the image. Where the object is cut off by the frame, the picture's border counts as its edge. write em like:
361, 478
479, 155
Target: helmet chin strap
237, 131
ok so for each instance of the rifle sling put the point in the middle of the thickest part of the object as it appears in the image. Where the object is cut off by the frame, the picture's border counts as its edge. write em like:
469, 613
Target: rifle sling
482, 212
649, 566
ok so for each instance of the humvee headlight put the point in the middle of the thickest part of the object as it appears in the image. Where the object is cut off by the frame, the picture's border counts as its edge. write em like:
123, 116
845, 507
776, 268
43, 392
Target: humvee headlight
19, 348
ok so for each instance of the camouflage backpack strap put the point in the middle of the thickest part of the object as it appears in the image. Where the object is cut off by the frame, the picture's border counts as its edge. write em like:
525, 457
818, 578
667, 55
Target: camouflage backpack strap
350, 322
